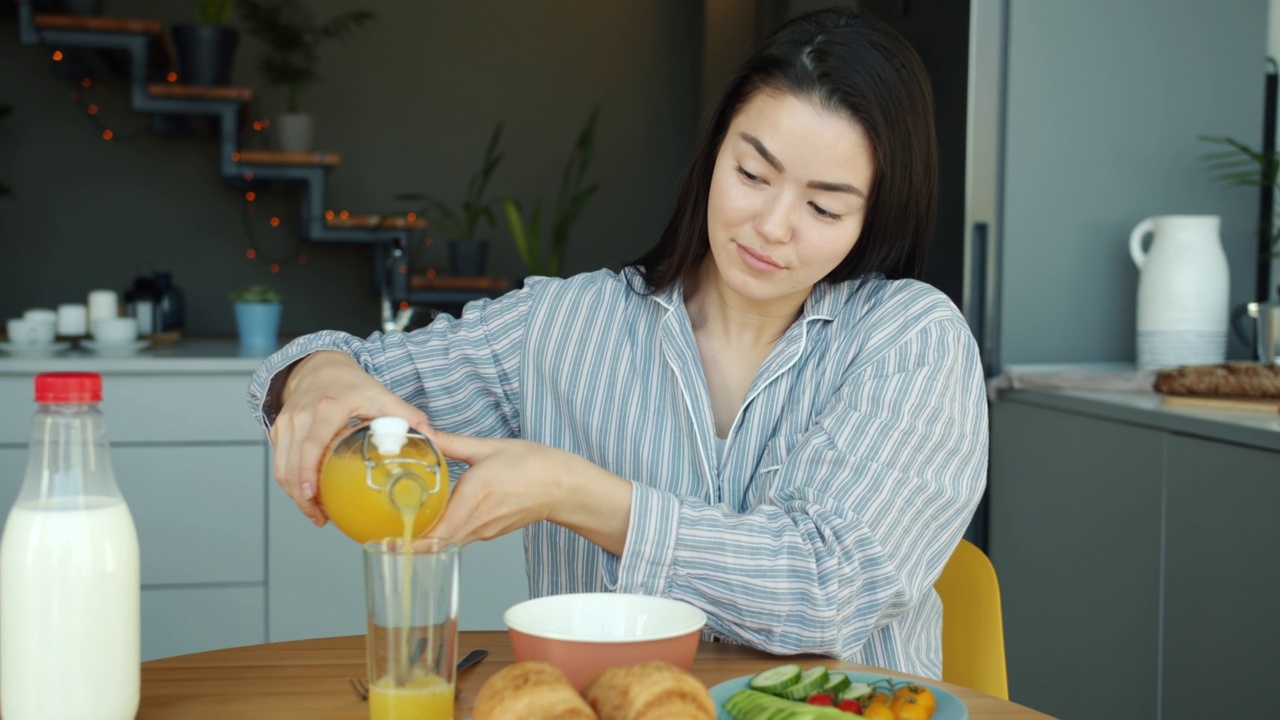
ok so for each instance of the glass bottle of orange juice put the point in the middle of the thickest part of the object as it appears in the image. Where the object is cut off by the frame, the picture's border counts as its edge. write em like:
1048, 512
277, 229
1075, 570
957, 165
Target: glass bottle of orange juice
382, 480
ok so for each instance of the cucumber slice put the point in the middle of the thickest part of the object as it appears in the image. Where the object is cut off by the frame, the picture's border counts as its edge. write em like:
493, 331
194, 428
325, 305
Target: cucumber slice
837, 682
811, 681
857, 691
752, 705
775, 680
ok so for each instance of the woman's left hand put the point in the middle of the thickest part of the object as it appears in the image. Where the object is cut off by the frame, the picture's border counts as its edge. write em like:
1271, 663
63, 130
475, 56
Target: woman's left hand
515, 483
510, 484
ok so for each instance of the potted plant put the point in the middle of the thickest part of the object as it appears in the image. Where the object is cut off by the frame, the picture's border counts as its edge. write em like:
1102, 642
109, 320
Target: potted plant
258, 310
293, 37
467, 252
206, 47
571, 200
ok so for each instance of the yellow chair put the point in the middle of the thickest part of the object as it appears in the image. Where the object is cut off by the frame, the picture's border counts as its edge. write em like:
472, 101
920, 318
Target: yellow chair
972, 623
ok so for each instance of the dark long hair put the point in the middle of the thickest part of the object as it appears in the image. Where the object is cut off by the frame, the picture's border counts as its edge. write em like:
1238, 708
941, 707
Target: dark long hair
849, 63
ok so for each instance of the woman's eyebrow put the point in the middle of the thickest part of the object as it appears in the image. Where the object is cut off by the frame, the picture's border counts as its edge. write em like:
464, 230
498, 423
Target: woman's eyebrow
815, 184
764, 151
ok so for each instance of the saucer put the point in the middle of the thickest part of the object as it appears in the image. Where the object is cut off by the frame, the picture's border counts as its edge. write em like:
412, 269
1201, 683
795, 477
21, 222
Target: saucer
34, 351
115, 349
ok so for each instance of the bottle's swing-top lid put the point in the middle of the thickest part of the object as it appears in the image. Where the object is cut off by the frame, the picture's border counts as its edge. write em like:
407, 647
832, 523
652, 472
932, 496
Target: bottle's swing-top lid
389, 434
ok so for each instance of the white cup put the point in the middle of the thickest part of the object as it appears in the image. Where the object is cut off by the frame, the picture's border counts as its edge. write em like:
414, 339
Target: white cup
29, 333
46, 319
115, 330
73, 320
103, 304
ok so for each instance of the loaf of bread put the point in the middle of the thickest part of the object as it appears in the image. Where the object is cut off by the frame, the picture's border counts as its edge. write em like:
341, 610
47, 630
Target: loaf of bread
530, 691
649, 691
1232, 379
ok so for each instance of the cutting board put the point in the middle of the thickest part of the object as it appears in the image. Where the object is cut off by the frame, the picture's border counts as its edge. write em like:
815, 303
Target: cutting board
1230, 404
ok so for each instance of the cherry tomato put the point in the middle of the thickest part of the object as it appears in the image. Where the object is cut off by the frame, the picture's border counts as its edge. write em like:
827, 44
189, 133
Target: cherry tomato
877, 711
851, 705
910, 711
822, 699
923, 696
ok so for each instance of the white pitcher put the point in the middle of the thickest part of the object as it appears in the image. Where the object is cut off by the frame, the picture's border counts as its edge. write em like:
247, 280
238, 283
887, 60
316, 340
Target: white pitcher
1183, 291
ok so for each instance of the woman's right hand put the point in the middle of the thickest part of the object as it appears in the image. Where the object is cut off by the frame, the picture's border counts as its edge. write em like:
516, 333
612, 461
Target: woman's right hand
323, 393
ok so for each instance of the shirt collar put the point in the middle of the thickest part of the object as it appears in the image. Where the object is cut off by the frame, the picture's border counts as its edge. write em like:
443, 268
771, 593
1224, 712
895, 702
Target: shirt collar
822, 304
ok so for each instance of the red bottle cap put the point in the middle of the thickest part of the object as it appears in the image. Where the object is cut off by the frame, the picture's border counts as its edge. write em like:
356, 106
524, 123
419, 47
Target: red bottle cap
68, 387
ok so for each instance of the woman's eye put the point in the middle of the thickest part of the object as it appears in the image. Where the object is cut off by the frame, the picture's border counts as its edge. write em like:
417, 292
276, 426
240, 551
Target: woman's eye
823, 213
748, 176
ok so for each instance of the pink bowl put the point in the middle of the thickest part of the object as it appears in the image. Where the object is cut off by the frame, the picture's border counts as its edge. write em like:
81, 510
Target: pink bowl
585, 634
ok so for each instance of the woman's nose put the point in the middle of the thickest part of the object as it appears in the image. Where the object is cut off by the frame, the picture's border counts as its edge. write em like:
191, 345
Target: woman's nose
775, 220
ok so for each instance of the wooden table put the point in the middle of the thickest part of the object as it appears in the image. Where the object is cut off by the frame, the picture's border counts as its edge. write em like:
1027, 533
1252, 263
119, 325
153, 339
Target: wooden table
308, 679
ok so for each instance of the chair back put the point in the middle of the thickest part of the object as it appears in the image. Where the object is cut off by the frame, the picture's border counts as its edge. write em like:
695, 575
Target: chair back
972, 623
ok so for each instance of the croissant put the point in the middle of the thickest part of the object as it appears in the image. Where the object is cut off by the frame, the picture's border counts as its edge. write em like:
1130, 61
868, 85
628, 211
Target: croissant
649, 691
530, 691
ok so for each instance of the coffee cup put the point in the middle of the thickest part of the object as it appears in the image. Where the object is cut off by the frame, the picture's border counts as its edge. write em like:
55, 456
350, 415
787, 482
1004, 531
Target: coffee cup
47, 322
115, 330
28, 333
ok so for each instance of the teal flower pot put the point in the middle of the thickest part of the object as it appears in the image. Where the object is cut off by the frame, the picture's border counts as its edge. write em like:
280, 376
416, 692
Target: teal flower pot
258, 324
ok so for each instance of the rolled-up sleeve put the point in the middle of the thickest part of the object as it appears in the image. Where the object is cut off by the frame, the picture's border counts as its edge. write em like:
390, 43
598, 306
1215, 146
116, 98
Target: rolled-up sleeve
464, 373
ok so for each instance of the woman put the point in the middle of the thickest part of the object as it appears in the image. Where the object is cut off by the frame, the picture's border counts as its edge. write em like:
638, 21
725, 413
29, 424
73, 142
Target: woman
762, 416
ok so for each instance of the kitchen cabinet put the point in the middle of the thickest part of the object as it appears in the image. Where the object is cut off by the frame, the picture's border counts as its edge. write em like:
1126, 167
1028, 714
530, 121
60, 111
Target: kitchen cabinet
1135, 549
227, 559
1222, 576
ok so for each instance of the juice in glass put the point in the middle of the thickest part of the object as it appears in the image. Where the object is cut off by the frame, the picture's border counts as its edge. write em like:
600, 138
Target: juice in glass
428, 697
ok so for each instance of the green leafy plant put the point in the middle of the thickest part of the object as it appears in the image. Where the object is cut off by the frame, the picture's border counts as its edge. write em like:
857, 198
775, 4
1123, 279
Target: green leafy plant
1239, 165
5, 110
293, 37
571, 200
214, 12
462, 225
257, 293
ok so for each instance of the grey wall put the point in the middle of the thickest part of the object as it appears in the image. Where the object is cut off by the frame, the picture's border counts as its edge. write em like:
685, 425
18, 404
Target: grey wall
409, 103
1105, 101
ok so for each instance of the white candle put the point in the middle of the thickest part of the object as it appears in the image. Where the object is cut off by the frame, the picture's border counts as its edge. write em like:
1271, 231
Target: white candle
103, 304
72, 320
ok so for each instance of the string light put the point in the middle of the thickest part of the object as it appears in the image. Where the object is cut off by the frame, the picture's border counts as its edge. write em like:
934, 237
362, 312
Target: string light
250, 196
92, 109
107, 134
57, 56
275, 222
171, 77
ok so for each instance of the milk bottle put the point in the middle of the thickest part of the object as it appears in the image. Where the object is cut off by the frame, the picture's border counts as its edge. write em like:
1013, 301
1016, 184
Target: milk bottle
69, 584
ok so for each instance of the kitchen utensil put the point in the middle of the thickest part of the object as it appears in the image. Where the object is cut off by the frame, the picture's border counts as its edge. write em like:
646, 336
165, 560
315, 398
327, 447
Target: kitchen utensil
1266, 329
1183, 286
361, 686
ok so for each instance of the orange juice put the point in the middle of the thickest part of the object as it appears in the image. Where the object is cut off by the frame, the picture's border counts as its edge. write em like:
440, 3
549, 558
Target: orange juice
426, 697
367, 513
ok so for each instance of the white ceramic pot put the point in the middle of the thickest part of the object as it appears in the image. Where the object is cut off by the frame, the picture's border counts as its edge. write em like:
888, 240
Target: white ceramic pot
1183, 291
294, 132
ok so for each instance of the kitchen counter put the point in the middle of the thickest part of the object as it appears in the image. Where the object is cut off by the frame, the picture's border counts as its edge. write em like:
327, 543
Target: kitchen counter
189, 356
1147, 409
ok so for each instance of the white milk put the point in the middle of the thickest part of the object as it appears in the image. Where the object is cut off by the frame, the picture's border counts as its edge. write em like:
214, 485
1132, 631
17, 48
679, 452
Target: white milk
69, 611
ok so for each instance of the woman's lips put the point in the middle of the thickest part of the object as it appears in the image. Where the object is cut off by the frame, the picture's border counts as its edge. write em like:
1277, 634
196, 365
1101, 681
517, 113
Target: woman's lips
757, 261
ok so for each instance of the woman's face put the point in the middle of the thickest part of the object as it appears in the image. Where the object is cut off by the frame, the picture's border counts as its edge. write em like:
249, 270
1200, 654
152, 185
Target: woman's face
788, 196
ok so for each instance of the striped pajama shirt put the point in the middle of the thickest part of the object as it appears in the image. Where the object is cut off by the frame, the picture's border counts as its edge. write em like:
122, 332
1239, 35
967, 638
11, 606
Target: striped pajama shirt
849, 474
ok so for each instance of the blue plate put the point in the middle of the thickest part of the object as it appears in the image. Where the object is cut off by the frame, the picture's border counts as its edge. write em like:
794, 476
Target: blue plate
949, 706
